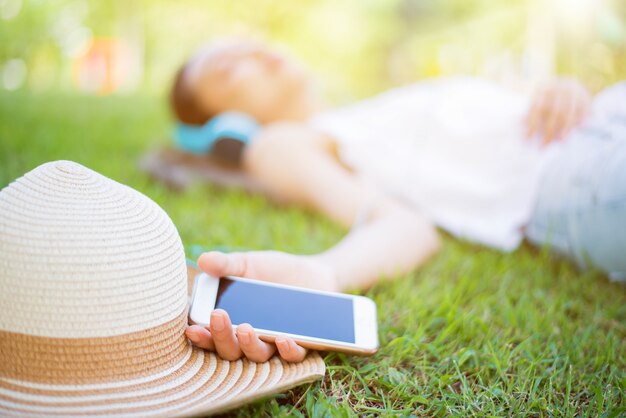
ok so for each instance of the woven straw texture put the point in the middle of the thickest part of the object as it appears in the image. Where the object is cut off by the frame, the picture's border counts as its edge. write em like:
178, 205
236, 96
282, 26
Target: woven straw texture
93, 307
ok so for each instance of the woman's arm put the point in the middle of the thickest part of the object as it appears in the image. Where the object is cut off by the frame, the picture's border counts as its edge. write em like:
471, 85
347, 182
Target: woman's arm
297, 165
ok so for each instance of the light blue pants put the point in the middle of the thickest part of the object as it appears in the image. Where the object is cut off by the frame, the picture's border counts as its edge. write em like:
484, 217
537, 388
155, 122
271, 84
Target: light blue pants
581, 205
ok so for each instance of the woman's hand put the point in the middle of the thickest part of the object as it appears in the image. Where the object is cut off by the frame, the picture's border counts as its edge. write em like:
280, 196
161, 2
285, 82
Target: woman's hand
557, 108
229, 344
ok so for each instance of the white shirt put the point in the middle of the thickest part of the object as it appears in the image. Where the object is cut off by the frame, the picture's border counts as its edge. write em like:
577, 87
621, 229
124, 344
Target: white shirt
452, 147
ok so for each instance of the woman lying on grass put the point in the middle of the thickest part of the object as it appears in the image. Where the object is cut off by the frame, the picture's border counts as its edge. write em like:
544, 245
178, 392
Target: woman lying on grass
480, 161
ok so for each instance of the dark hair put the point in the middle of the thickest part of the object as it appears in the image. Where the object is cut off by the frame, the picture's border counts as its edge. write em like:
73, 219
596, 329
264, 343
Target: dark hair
184, 103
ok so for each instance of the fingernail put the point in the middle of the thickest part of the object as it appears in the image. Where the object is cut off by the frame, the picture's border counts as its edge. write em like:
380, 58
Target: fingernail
217, 321
244, 337
282, 344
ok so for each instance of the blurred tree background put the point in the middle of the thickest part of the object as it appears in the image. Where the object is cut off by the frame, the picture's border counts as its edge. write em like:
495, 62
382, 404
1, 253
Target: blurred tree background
355, 47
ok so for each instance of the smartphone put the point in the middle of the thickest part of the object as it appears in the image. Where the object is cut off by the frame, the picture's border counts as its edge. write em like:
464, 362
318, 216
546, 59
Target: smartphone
314, 319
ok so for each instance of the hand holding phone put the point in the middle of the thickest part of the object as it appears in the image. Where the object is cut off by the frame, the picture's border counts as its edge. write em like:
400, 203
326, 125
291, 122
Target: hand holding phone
281, 314
231, 344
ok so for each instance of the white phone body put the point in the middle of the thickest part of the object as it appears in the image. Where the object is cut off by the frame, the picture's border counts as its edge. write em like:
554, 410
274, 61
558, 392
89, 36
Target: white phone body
363, 339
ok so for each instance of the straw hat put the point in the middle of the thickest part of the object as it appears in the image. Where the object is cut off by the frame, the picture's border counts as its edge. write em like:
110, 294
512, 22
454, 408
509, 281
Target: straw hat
93, 307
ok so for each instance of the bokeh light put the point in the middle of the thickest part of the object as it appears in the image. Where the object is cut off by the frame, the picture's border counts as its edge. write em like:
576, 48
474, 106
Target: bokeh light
13, 74
10, 8
356, 48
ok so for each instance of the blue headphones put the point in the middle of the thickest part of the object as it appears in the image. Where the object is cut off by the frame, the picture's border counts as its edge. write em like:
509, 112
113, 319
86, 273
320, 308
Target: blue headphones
224, 135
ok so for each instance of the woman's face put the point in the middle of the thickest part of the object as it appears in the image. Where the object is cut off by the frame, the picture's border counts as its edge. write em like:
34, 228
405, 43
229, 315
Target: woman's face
246, 76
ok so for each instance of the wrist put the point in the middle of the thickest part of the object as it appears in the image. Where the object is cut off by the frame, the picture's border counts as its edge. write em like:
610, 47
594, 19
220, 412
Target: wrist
327, 265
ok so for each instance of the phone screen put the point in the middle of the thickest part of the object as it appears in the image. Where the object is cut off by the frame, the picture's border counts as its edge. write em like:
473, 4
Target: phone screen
286, 310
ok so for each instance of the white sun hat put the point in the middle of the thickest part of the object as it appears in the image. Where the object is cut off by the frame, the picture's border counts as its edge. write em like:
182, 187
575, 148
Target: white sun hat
93, 308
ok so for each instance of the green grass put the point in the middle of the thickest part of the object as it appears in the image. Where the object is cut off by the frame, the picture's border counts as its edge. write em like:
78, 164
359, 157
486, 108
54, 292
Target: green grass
474, 332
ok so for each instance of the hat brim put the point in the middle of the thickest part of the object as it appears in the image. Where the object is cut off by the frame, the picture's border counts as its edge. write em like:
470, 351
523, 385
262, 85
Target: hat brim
201, 384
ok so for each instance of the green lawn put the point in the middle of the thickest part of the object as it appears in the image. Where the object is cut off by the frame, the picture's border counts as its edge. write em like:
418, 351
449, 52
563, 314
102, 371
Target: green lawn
475, 332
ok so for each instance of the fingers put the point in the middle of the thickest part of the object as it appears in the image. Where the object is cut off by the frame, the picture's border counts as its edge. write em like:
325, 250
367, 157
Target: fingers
572, 101
570, 112
226, 345
224, 338
231, 345
556, 109
219, 264
289, 350
252, 346
536, 113
555, 115
200, 337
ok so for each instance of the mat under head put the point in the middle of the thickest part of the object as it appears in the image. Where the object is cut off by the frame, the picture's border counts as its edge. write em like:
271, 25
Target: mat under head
179, 170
